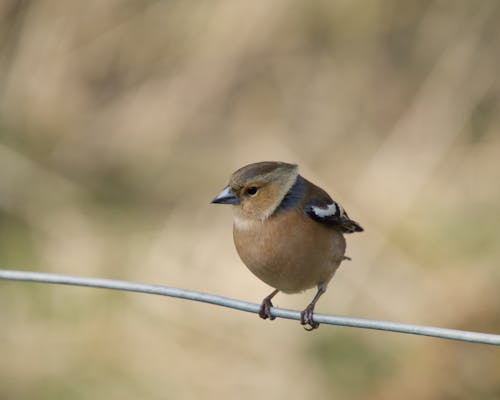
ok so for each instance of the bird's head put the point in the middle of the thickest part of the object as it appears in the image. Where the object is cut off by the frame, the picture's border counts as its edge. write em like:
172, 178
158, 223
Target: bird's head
258, 189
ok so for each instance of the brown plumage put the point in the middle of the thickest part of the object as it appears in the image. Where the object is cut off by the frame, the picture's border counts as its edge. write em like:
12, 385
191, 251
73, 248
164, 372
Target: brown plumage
287, 231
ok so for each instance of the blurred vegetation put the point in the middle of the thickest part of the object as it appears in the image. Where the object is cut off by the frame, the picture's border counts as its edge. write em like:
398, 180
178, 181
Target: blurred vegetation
119, 122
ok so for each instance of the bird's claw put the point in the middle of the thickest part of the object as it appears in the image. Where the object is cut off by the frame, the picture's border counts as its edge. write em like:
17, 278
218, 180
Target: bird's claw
265, 309
306, 318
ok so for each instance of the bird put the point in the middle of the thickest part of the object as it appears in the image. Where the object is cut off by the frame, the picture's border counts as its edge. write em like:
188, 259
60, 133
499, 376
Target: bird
287, 231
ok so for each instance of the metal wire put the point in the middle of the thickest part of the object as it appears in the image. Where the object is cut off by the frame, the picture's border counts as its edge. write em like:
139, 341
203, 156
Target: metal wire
42, 277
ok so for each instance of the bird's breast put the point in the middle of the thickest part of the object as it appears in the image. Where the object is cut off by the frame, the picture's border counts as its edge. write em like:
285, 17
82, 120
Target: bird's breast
289, 251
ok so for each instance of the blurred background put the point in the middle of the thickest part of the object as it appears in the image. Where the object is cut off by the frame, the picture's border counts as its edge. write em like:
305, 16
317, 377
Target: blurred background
120, 120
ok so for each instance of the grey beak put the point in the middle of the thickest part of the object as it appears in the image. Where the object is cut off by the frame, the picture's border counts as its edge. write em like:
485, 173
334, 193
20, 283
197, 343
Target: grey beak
226, 197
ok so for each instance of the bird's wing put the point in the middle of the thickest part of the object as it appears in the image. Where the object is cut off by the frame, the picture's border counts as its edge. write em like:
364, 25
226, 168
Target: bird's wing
322, 208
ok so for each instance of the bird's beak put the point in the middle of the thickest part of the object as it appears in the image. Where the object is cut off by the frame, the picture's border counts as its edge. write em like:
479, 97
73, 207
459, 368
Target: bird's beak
226, 197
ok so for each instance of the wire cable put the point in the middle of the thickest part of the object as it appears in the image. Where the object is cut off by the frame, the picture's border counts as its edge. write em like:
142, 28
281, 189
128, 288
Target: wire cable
444, 333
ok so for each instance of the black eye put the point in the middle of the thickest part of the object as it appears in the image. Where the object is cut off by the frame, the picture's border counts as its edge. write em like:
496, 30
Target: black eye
252, 190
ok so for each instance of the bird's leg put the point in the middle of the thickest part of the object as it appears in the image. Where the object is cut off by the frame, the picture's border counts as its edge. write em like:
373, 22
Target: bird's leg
306, 316
265, 307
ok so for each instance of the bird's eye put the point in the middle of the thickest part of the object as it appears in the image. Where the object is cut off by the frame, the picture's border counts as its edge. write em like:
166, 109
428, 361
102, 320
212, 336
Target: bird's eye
252, 190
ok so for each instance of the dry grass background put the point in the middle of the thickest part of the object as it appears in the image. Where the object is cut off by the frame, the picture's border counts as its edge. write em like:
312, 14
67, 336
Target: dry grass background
119, 122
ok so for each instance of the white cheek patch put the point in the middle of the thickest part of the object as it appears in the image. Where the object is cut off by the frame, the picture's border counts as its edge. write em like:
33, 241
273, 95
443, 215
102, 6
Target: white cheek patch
330, 210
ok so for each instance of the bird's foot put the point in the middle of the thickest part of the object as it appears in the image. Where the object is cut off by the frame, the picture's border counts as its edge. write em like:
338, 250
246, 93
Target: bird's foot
265, 309
306, 318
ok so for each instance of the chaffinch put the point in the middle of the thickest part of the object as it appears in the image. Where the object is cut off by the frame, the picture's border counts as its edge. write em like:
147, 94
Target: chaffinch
287, 231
